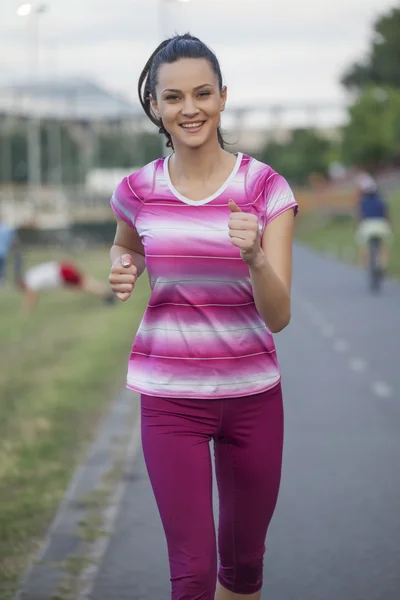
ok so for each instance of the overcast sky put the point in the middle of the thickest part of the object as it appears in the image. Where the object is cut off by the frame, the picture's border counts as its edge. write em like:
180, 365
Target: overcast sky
285, 50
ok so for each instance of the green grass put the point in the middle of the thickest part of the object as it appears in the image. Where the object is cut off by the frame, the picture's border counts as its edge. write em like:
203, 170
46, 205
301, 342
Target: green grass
60, 368
336, 235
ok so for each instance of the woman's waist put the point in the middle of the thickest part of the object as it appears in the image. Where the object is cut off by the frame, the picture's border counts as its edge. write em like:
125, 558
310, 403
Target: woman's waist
181, 337
197, 292
212, 378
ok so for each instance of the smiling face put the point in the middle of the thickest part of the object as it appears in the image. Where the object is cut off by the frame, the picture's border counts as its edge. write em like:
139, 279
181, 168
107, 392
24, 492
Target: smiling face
189, 101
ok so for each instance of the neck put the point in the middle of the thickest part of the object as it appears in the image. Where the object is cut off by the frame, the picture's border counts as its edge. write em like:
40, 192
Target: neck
198, 163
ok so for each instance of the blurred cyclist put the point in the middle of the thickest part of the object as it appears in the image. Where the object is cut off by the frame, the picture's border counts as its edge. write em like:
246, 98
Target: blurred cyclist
373, 219
53, 275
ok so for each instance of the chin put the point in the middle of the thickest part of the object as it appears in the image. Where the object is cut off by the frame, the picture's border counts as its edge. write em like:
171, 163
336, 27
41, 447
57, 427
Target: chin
195, 142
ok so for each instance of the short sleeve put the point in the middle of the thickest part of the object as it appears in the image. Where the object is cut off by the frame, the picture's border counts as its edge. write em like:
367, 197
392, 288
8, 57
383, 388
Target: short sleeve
125, 202
278, 197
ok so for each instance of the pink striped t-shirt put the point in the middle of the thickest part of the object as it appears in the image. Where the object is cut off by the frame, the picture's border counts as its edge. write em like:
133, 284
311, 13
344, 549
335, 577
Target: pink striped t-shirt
201, 335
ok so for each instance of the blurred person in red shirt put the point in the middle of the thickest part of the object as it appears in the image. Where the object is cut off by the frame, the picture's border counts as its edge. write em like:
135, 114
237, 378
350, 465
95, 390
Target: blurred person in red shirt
54, 275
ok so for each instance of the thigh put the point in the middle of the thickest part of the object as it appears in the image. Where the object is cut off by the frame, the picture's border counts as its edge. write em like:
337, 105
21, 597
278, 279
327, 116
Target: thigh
248, 466
177, 455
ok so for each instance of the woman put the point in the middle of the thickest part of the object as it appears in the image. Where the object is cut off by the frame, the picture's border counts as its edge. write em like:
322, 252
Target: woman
215, 233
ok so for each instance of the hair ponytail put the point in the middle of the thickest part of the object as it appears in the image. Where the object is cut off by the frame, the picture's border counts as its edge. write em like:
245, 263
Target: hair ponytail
170, 51
145, 92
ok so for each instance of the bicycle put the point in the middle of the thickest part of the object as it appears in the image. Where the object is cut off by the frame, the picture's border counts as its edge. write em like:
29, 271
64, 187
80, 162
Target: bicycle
375, 271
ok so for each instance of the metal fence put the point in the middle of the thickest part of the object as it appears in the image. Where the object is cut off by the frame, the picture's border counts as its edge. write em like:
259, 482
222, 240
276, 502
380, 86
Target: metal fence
60, 128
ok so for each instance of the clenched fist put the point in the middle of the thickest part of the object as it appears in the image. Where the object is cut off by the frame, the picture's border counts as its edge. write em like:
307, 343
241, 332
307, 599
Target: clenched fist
123, 277
244, 233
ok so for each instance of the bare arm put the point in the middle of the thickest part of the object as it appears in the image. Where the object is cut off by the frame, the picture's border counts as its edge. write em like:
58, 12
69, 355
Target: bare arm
127, 261
270, 262
271, 273
127, 241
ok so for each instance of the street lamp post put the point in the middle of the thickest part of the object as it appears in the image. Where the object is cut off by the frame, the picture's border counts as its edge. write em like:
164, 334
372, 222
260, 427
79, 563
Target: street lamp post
34, 125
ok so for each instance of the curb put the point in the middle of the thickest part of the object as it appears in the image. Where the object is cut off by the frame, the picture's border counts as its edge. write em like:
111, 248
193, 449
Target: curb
68, 560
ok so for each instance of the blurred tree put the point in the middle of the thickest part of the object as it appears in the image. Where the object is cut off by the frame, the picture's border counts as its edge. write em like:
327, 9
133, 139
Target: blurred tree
150, 146
372, 136
305, 153
19, 155
71, 168
14, 149
382, 64
115, 150
122, 150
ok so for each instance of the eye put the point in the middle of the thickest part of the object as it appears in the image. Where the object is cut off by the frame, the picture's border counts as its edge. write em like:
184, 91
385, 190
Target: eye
205, 93
171, 97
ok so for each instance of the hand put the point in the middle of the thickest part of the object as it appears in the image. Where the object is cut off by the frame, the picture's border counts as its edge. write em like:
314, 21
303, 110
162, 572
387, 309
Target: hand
244, 233
123, 277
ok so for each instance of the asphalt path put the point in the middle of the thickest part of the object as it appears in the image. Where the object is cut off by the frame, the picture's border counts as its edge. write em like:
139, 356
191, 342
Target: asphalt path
336, 531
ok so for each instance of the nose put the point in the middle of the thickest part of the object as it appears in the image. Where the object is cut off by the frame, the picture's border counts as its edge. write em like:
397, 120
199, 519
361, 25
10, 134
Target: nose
189, 108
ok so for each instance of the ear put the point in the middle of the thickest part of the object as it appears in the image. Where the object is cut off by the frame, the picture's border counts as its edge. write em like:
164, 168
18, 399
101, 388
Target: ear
224, 97
154, 107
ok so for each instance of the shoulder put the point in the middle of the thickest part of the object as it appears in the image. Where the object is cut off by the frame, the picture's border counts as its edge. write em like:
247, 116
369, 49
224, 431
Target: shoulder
141, 183
264, 180
271, 193
131, 193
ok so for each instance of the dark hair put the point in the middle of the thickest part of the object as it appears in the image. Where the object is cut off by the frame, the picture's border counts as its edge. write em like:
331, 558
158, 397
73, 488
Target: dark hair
170, 51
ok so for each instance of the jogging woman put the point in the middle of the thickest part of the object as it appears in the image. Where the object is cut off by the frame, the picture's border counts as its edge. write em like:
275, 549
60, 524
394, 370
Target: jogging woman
214, 231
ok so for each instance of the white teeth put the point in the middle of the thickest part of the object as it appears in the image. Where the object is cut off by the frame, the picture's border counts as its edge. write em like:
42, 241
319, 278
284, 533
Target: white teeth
192, 125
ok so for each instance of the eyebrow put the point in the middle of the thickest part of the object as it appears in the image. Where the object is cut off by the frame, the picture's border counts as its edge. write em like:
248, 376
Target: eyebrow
195, 89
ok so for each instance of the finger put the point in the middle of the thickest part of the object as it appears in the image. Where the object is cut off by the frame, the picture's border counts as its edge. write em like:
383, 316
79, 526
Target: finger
240, 243
126, 260
121, 278
123, 296
123, 287
120, 270
241, 224
234, 207
238, 234
242, 216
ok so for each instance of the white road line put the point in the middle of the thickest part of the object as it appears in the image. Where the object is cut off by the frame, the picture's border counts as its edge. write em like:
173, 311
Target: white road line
382, 389
341, 345
316, 319
358, 365
312, 312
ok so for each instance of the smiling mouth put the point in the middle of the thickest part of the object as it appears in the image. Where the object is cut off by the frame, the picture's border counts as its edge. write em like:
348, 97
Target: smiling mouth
192, 127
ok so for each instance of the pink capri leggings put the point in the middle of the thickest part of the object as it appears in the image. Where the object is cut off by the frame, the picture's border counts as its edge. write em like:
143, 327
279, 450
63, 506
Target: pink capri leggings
248, 439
